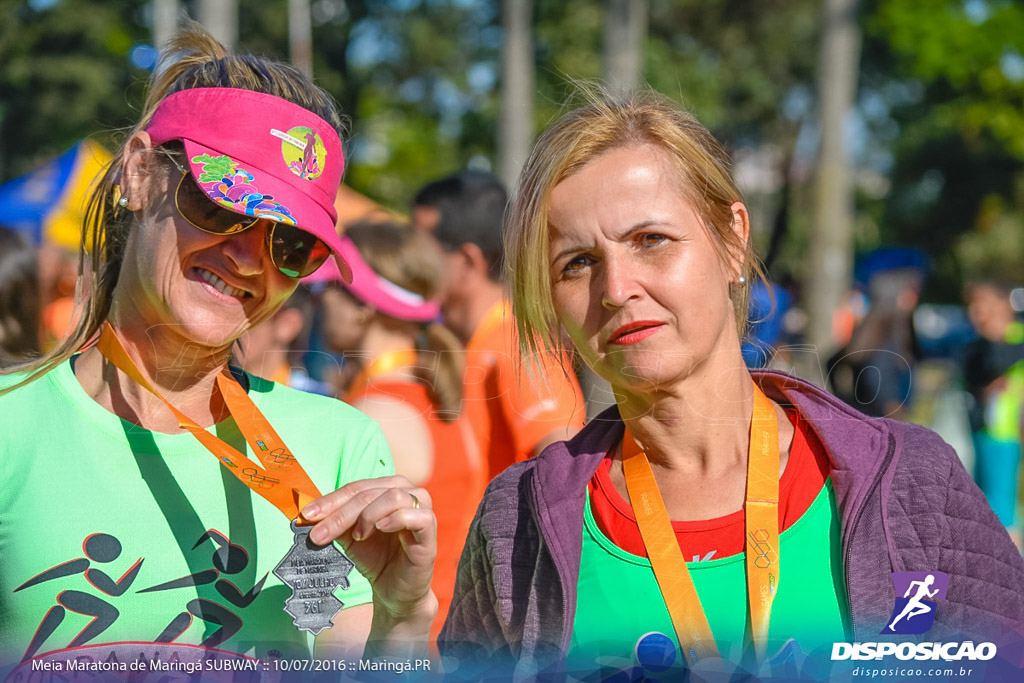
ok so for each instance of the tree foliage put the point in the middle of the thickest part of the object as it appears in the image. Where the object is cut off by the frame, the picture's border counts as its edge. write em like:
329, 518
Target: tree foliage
65, 74
950, 74
938, 125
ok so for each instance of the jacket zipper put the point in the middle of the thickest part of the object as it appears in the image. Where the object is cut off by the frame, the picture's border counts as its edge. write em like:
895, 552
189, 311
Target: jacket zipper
890, 452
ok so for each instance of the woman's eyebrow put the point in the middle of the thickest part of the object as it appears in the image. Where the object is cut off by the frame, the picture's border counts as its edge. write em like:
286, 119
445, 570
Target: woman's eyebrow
573, 248
642, 225
625, 234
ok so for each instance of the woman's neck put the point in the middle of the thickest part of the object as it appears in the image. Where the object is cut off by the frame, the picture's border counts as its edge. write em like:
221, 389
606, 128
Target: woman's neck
696, 437
381, 339
183, 372
698, 427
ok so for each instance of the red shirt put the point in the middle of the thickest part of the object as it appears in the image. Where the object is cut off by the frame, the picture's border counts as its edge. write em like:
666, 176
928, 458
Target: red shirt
701, 540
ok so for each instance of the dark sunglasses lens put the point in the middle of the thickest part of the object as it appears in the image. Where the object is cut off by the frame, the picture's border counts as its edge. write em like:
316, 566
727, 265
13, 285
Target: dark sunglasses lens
296, 253
204, 213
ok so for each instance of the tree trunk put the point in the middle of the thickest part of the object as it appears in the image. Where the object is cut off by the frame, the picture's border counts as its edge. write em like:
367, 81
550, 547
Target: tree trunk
165, 21
624, 36
831, 249
300, 36
515, 125
220, 17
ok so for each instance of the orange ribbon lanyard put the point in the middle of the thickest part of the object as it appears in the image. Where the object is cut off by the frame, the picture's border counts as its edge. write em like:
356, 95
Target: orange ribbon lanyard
384, 364
277, 477
761, 521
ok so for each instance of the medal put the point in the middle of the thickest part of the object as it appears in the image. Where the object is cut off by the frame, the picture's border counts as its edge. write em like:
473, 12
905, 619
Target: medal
312, 572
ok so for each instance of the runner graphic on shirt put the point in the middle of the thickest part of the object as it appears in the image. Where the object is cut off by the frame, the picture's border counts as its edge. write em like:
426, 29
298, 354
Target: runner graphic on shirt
228, 558
915, 607
98, 547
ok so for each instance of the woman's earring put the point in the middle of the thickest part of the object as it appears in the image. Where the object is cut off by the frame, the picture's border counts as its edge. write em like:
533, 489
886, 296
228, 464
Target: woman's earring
120, 200
741, 281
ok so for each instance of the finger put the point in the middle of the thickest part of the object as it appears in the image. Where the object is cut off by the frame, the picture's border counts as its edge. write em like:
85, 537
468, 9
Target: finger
422, 497
417, 536
325, 505
387, 503
361, 511
340, 517
420, 525
411, 504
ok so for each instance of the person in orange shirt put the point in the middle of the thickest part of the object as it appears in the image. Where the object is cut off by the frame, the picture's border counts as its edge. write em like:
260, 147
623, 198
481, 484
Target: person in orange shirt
517, 405
408, 377
275, 349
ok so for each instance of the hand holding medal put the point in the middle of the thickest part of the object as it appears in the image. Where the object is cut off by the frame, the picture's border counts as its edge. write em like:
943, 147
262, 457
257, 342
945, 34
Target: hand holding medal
387, 528
385, 525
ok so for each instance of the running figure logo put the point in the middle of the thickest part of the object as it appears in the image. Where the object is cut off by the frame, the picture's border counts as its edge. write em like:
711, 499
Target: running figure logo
915, 611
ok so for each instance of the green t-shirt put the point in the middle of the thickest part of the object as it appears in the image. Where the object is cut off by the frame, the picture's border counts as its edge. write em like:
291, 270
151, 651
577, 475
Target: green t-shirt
619, 600
85, 489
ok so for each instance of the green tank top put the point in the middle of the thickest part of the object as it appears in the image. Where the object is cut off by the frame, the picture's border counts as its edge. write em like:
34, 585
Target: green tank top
621, 619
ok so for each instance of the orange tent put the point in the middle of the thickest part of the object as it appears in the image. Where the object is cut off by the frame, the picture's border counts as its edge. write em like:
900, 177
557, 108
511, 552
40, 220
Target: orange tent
354, 207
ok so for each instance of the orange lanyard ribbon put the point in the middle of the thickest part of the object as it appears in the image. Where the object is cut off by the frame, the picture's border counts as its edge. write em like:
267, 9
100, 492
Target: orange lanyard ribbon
277, 476
761, 521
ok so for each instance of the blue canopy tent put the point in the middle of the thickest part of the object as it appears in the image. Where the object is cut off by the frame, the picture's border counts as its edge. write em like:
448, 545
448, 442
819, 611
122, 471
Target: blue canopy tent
48, 203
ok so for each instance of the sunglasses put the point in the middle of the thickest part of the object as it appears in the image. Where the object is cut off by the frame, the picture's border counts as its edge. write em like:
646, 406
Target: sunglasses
294, 252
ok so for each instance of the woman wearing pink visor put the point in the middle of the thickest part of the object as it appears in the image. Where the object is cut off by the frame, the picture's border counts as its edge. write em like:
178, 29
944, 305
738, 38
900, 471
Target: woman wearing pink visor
408, 375
168, 507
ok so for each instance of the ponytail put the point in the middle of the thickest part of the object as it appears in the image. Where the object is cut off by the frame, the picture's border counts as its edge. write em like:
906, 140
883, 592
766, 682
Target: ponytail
440, 366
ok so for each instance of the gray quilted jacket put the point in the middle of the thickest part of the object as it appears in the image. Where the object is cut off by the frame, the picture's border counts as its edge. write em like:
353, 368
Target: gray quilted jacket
905, 503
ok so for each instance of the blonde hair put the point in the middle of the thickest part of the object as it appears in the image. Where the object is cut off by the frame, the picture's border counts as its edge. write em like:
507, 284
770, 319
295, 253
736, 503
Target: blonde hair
193, 59
609, 121
412, 261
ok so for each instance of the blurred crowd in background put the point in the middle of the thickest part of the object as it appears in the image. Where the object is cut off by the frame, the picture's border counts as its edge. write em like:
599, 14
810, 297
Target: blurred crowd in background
930, 333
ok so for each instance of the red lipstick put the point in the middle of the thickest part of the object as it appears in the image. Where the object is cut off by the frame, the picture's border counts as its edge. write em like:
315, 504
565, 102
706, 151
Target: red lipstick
634, 332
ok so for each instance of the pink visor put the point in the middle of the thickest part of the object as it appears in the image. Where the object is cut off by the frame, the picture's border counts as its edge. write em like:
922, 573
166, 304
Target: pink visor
259, 155
372, 289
